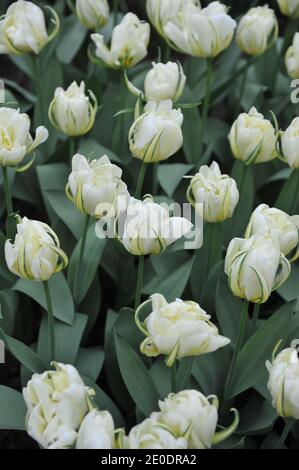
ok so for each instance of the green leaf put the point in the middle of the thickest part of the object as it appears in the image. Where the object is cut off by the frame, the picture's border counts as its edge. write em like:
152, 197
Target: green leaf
256, 416
90, 362
191, 128
170, 176
184, 373
210, 371
228, 309
90, 148
71, 39
12, 409
288, 198
8, 310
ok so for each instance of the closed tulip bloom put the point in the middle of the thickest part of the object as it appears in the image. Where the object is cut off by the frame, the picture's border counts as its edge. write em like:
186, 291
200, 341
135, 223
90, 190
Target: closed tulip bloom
257, 31
157, 134
160, 12
96, 431
289, 7
72, 111
57, 402
201, 32
178, 329
146, 227
95, 186
23, 29
214, 195
256, 267
290, 144
129, 43
93, 14
267, 220
292, 58
165, 82
252, 138
283, 383
151, 435
35, 253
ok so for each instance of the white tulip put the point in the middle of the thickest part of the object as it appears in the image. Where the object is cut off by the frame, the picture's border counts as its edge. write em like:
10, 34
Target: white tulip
162, 11
257, 31
267, 220
96, 431
151, 435
252, 138
157, 135
57, 402
129, 43
178, 329
93, 14
35, 253
146, 227
290, 144
213, 194
23, 29
72, 111
95, 186
292, 58
289, 7
15, 139
253, 267
201, 32
165, 82
283, 383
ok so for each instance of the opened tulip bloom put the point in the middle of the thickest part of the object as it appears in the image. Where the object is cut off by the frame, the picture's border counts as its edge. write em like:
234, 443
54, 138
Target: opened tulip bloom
213, 195
35, 253
252, 138
23, 29
289, 7
160, 12
157, 135
283, 383
93, 14
96, 431
152, 435
256, 267
129, 43
289, 144
257, 31
270, 221
292, 58
57, 402
72, 111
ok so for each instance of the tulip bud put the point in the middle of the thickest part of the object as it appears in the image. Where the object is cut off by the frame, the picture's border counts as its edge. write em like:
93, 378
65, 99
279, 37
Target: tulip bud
146, 227
292, 58
257, 31
57, 402
23, 29
15, 139
96, 431
283, 383
178, 329
252, 138
129, 43
275, 223
289, 7
290, 144
160, 13
72, 111
165, 82
93, 14
35, 253
157, 135
215, 194
201, 32
94, 187
256, 267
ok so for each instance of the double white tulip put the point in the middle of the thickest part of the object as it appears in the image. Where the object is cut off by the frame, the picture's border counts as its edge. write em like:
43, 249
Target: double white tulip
152, 435
129, 43
257, 31
267, 220
57, 402
96, 431
72, 111
93, 14
178, 329
157, 135
289, 7
213, 195
162, 11
146, 227
256, 267
95, 186
35, 253
290, 144
252, 138
23, 29
165, 82
292, 58
283, 383
15, 139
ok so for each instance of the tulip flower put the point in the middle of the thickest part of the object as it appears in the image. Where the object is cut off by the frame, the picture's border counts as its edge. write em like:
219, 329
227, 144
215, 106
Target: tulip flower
96, 431
165, 82
289, 144
152, 435
292, 58
289, 7
93, 14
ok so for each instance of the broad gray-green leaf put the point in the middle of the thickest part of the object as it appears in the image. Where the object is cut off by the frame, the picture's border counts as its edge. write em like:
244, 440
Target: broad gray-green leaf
23, 353
170, 176
12, 409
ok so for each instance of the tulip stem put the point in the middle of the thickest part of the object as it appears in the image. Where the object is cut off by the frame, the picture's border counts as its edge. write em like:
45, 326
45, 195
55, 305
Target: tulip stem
140, 180
256, 313
285, 433
242, 88
72, 147
206, 103
7, 192
139, 283
173, 375
238, 345
81, 257
115, 12
40, 100
51, 322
